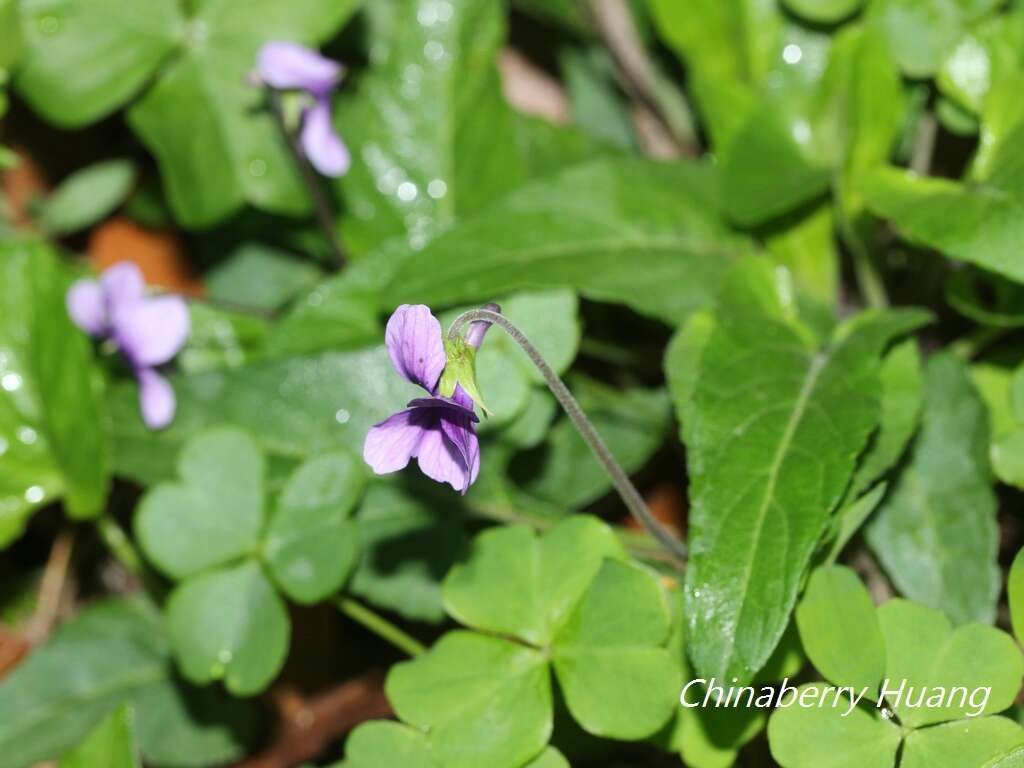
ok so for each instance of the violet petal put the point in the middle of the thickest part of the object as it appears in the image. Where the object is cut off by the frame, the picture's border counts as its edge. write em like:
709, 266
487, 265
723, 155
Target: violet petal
390, 444
288, 66
321, 143
122, 284
455, 407
413, 338
459, 431
87, 307
152, 331
440, 460
156, 399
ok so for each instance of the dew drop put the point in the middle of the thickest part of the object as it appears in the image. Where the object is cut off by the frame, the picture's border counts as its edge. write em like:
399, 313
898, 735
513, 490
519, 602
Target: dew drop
10, 382
342, 416
433, 50
49, 25
27, 435
437, 189
34, 494
407, 191
792, 54
4, 445
258, 167
224, 656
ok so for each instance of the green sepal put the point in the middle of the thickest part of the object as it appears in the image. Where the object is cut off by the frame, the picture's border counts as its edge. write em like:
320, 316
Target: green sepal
461, 370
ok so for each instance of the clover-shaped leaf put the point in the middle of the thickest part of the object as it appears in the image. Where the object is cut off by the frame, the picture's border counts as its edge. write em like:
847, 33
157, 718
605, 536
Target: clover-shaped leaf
209, 531
568, 603
311, 543
214, 514
1012, 759
924, 672
231, 625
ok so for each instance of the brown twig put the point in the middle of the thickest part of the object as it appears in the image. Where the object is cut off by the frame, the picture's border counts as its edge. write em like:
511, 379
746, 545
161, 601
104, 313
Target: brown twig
310, 724
51, 590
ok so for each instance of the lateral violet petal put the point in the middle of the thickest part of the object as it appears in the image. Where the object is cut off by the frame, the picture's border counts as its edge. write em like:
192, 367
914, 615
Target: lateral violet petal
288, 66
152, 331
156, 399
87, 307
321, 143
390, 444
440, 460
413, 338
122, 285
459, 432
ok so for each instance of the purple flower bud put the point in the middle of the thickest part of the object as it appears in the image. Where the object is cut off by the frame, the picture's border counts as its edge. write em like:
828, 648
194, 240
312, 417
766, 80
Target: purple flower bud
437, 431
148, 331
290, 66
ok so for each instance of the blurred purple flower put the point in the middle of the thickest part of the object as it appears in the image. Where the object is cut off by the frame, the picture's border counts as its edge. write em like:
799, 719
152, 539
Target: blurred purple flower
147, 330
437, 431
289, 66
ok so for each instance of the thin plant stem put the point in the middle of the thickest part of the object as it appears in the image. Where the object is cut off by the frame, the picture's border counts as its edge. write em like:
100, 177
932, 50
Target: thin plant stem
380, 626
630, 496
321, 205
872, 288
51, 589
124, 551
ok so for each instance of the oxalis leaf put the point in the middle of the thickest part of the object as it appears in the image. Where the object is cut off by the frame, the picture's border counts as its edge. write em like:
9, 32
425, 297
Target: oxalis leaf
769, 411
644, 234
119, 655
942, 684
110, 745
936, 532
572, 603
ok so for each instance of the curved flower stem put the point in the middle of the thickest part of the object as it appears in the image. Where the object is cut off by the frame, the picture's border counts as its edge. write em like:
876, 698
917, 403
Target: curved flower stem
380, 626
632, 498
321, 206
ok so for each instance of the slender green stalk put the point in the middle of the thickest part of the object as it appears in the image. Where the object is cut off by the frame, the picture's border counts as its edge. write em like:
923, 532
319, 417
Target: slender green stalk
380, 626
321, 205
122, 548
630, 495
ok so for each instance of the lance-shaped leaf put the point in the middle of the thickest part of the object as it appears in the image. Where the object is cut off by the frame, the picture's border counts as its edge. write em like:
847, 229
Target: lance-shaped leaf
773, 433
631, 231
977, 221
936, 533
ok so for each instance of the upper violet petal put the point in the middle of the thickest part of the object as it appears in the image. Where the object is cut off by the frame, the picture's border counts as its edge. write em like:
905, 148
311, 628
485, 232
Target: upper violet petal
122, 285
152, 331
413, 338
321, 143
288, 66
156, 399
87, 307
390, 444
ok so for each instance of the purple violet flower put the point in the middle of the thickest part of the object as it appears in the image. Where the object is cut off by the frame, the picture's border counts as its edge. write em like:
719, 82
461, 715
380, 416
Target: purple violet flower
289, 66
147, 330
437, 431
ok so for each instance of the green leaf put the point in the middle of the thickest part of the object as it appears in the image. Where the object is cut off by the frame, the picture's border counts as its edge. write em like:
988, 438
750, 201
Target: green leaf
925, 652
257, 275
229, 625
819, 736
296, 408
464, 685
762, 417
221, 338
807, 248
902, 397
824, 11
311, 545
936, 532
119, 655
432, 135
516, 584
85, 58
1015, 594
87, 196
963, 743
839, 629
630, 231
409, 538
920, 32
214, 514
1012, 759
618, 680
851, 517
977, 222
215, 142
110, 745
633, 421
52, 431
597, 107
383, 744
11, 40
